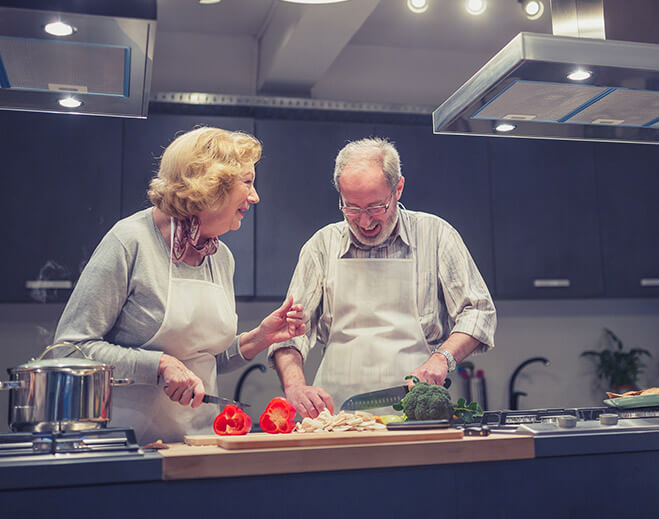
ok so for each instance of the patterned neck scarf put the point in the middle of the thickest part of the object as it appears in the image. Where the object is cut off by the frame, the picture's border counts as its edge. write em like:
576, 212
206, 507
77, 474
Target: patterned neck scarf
186, 236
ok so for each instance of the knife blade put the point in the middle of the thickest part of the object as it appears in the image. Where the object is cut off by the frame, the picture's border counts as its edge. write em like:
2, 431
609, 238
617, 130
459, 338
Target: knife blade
211, 399
380, 398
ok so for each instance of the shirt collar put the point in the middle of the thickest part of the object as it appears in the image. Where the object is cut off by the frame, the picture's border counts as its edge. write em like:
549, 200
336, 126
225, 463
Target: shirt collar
401, 230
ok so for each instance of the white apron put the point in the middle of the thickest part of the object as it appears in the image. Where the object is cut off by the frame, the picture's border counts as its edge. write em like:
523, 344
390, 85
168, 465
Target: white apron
200, 322
375, 339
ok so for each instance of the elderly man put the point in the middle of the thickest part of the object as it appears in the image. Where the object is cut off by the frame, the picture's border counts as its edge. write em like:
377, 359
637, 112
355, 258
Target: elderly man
388, 291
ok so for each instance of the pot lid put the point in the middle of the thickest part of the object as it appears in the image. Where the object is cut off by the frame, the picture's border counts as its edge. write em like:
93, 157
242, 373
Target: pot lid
60, 362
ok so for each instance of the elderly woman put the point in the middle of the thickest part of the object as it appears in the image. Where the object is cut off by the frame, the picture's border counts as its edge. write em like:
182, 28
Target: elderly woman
156, 299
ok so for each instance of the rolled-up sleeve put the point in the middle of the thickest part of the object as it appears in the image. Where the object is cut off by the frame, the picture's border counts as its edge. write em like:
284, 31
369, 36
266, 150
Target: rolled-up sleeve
468, 301
306, 287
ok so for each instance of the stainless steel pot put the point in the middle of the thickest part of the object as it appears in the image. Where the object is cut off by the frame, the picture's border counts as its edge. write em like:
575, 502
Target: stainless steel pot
60, 394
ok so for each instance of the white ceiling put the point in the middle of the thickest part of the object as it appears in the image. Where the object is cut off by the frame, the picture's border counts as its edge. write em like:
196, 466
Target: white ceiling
358, 50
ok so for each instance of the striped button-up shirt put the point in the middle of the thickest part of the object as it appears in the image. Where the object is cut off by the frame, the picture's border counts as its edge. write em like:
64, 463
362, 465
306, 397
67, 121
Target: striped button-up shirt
451, 293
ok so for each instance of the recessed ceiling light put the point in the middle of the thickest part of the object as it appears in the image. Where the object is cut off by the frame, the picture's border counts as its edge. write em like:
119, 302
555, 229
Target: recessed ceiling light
505, 127
417, 6
475, 7
207, 2
533, 9
69, 102
579, 75
59, 29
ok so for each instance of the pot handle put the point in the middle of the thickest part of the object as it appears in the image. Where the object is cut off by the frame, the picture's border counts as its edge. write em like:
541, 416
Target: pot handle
121, 381
12, 384
60, 345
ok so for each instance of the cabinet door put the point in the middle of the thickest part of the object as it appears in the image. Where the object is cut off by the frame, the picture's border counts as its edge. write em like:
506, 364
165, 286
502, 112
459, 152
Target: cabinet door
294, 180
144, 142
546, 232
628, 184
62, 176
448, 176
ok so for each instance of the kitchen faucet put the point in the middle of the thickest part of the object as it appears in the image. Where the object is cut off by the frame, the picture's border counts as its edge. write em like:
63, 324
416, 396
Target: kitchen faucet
513, 396
241, 380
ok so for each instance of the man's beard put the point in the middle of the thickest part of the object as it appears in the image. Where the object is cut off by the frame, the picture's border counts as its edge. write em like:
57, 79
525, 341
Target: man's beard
386, 228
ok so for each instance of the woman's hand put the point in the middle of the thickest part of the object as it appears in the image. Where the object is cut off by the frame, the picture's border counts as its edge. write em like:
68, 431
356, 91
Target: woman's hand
181, 384
284, 323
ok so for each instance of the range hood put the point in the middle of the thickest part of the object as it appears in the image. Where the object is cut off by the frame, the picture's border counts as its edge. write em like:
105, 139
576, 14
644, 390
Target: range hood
524, 90
104, 64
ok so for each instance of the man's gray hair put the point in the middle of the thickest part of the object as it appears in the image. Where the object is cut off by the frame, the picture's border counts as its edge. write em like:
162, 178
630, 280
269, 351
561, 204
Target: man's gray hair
368, 151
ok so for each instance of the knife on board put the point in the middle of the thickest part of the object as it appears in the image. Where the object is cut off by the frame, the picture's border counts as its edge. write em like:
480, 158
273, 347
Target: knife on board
380, 398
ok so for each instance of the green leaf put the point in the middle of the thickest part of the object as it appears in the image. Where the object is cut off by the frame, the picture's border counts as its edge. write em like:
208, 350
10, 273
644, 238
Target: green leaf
398, 406
414, 379
461, 402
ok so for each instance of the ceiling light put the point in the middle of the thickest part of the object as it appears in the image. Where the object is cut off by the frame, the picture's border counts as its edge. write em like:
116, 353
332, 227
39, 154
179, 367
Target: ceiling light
533, 9
505, 127
59, 29
579, 75
208, 2
475, 7
417, 6
69, 102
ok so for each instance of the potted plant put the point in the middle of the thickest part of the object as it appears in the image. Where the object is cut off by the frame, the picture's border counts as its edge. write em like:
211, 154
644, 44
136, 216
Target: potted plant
620, 369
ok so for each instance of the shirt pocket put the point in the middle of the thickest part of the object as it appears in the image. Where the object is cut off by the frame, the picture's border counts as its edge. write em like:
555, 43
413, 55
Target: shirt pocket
427, 294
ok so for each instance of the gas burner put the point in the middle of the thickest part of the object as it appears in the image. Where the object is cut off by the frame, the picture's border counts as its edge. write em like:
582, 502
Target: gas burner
97, 442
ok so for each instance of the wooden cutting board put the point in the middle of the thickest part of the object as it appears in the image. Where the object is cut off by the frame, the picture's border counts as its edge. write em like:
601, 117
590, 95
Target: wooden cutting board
276, 441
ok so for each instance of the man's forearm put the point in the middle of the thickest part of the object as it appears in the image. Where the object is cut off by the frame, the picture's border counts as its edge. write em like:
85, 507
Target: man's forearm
460, 345
288, 363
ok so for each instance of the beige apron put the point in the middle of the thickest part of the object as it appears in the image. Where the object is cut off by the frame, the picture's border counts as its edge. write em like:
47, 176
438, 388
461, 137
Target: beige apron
200, 322
375, 339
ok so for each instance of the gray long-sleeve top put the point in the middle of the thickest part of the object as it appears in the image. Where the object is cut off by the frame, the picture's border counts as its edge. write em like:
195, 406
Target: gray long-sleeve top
118, 303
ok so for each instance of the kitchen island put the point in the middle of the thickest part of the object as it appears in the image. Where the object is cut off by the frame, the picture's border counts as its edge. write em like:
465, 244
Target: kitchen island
499, 476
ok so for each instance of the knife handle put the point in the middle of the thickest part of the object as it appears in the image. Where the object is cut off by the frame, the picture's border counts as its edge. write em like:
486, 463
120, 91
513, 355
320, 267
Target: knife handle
447, 382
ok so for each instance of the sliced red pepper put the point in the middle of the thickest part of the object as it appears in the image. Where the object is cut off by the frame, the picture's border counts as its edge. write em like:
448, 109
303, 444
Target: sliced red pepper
232, 421
278, 417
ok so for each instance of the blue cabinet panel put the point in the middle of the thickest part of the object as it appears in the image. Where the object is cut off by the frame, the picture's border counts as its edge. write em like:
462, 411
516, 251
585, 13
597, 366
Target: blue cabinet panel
294, 180
144, 143
448, 176
546, 230
62, 178
628, 186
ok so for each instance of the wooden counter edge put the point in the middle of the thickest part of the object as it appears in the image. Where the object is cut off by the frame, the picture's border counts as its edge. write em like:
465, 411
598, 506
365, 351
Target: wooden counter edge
188, 462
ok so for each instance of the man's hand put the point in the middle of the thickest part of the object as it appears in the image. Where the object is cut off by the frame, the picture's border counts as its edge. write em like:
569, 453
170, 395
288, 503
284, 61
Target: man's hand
181, 384
433, 371
284, 323
309, 400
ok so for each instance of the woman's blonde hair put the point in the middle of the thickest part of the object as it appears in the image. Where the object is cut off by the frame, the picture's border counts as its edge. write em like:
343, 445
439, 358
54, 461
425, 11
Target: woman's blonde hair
199, 168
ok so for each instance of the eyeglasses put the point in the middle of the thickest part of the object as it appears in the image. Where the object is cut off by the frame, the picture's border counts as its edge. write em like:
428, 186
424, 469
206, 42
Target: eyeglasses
374, 210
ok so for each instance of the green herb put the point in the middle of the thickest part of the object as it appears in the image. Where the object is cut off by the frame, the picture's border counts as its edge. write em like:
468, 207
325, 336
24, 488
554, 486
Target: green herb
467, 412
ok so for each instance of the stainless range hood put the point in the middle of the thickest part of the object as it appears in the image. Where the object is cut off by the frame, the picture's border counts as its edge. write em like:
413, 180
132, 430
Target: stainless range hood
524, 90
104, 64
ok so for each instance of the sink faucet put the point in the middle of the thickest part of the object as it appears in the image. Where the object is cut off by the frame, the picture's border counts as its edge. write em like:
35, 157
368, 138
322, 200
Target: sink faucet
241, 380
513, 396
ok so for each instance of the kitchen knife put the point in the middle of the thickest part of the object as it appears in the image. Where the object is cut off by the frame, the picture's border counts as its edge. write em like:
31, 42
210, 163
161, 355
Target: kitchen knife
210, 399
380, 398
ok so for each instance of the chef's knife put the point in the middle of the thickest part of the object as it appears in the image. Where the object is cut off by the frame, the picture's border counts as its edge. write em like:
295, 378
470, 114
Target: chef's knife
380, 398
210, 399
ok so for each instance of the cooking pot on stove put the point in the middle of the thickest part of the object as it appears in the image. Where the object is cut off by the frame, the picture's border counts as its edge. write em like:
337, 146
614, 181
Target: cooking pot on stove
60, 394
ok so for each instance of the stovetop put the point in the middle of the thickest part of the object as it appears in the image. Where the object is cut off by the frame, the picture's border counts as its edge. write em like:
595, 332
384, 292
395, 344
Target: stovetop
110, 442
584, 420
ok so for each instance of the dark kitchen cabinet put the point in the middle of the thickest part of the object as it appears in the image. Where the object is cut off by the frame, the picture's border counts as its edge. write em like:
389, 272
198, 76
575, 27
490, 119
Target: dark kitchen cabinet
546, 230
61, 176
294, 180
448, 176
144, 142
628, 189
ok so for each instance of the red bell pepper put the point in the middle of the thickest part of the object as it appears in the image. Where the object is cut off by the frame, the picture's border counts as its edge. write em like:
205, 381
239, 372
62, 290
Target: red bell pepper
232, 421
278, 417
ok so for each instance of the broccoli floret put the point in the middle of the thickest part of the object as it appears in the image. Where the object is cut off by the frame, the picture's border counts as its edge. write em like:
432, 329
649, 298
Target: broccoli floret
427, 402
